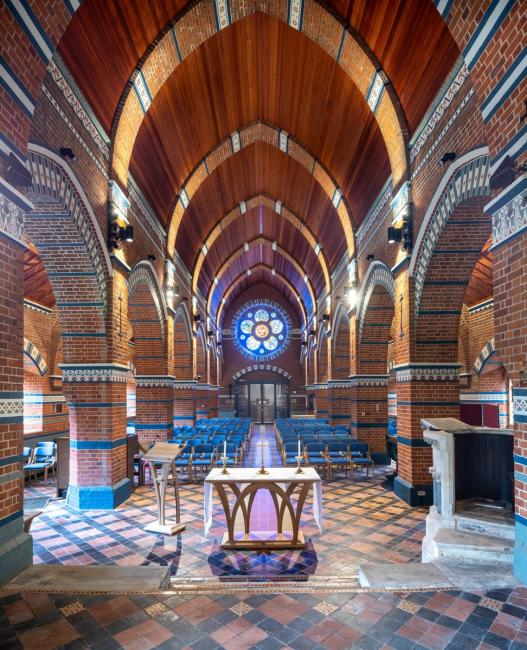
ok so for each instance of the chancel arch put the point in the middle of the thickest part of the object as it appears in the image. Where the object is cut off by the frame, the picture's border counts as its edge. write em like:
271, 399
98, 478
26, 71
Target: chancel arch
274, 274
272, 245
182, 343
173, 46
239, 211
247, 135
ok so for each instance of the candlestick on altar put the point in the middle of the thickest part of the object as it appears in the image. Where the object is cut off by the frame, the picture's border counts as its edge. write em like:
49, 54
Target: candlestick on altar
262, 469
224, 458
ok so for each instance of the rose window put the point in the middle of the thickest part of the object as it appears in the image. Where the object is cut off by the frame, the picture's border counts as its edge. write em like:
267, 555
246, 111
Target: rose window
262, 330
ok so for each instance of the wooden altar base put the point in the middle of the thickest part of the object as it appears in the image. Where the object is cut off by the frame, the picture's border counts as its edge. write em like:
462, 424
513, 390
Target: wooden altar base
262, 540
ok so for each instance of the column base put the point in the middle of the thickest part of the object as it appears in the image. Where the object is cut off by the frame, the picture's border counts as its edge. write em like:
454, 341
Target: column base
520, 549
106, 497
413, 495
16, 549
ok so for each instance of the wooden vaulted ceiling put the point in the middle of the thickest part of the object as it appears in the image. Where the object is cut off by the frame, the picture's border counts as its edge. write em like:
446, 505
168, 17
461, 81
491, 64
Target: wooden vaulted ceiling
37, 287
259, 69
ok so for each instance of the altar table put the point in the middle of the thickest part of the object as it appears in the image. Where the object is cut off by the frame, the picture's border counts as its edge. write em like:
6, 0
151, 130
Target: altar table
244, 483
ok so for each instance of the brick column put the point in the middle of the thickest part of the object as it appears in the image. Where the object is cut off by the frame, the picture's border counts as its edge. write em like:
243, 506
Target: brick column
321, 401
154, 416
96, 396
16, 547
213, 401
201, 401
509, 225
424, 390
339, 402
369, 413
184, 403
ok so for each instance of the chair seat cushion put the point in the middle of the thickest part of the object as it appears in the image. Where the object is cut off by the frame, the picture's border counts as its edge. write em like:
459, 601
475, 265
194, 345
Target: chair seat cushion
38, 465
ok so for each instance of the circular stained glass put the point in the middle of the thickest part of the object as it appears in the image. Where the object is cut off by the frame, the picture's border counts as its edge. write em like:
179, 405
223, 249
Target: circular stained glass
262, 330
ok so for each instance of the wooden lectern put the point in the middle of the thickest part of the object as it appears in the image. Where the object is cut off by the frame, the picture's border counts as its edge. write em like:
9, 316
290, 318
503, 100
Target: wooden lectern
160, 459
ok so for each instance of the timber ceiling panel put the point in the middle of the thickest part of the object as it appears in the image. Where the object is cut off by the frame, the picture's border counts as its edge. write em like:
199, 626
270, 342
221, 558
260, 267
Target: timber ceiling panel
260, 168
253, 257
269, 224
263, 281
411, 41
106, 38
37, 286
480, 286
229, 82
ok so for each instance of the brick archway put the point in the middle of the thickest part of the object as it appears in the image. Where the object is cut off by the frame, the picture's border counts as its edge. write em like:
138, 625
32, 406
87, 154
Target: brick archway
466, 178
244, 137
322, 355
201, 21
147, 314
341, 343
182, 344
261, 200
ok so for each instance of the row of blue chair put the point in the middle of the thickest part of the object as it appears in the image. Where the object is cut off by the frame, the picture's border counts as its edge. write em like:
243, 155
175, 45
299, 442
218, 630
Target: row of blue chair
330, 457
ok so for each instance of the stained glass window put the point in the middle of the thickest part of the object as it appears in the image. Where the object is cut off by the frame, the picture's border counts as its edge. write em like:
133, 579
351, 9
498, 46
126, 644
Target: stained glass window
261, 330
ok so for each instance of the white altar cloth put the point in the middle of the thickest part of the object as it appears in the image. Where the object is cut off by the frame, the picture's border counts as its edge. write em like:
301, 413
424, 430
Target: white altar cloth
279, 475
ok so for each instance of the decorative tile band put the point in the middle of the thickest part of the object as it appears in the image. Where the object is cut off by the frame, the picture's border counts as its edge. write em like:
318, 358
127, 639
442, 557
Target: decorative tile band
261, 366
12, 213
11, 409
427, 372
374, 94
491, 397
519, 402
487, 351
509, 212
95, 373
151, 381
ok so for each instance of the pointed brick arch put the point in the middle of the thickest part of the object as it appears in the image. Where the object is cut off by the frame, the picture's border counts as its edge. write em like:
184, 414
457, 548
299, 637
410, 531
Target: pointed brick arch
205, 18
257, 241
31, 351
377, 275
240, 278
182, 343
341, 343
323, 366
147, 315
247, 135
465, 179
73, 252
238, 212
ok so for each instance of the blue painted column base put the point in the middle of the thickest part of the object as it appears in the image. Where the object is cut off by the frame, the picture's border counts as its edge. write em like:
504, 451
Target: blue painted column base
16, 548
520, 549
414, 495
96, 497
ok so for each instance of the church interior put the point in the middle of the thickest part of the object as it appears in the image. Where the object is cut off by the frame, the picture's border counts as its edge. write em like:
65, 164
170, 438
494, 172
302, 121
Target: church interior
263, 324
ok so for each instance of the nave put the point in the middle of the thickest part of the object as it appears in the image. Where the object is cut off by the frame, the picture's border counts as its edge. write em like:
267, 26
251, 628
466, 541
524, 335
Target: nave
363, 522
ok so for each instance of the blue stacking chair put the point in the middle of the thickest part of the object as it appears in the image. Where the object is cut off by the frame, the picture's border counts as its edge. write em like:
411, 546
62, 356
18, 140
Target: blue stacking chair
44, 460
290, 453
360, 457
339, 456
217, 439
202, 457
184, 460
316, 455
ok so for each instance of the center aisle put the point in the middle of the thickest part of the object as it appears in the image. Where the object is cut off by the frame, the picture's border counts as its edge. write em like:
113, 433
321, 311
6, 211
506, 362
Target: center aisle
263, 515
263, 433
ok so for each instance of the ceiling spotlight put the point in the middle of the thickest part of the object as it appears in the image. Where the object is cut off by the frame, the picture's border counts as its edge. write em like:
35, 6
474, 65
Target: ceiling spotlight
402, 234
151, 258
325, 317
370, 257
68, 153
312, 333
394, 235
118, 233
197, 318
210, 333
449, 156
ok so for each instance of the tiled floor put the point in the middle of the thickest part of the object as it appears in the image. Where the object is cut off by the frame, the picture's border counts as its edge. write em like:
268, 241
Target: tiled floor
460, 621
363, 521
